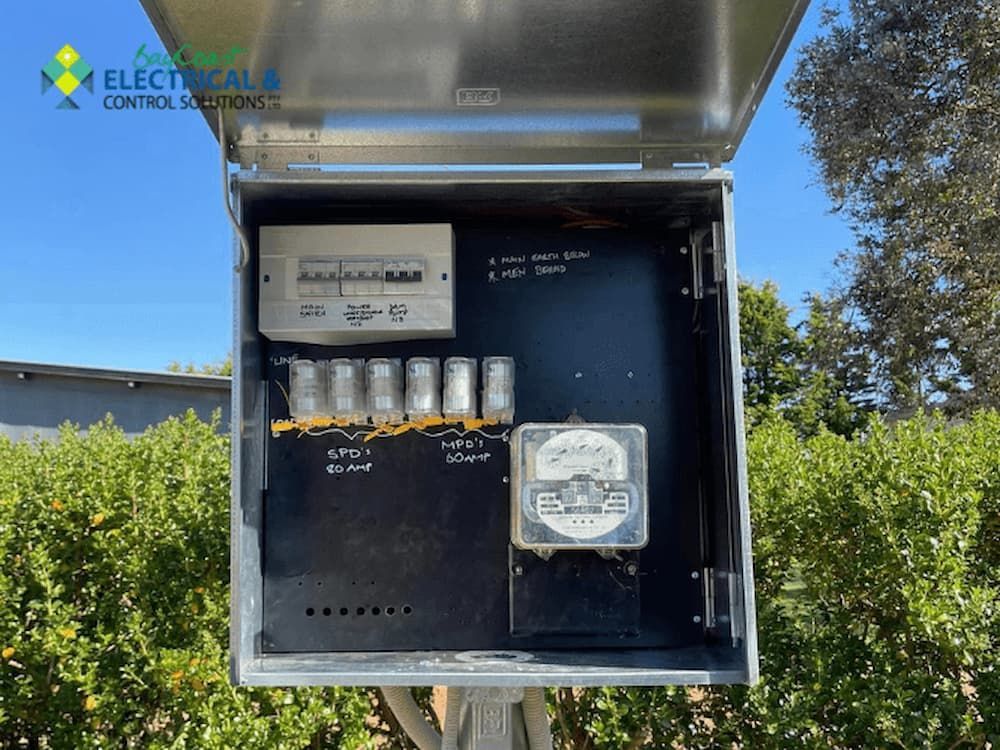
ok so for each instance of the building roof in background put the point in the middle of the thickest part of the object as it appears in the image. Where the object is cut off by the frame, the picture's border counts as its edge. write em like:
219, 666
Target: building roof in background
136, 377
37, 398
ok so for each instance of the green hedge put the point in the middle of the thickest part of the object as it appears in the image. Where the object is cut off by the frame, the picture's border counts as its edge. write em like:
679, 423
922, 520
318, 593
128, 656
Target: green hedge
114, 601
877, 595
878, 567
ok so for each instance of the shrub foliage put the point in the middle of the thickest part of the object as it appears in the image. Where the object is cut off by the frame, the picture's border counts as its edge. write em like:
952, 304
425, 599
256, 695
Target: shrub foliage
877, 584
114, 601
877, 562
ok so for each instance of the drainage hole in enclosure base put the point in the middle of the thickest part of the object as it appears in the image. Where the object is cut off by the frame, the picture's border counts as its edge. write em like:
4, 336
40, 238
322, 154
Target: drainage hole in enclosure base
406, 609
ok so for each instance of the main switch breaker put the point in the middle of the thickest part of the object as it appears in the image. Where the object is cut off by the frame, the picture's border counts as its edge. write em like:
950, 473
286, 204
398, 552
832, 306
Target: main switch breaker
352, 284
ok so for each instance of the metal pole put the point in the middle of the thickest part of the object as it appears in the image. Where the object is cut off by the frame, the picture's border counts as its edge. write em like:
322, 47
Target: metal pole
492, 719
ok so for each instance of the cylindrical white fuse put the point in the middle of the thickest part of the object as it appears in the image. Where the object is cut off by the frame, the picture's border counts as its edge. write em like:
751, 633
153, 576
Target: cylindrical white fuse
347, 390
423, 387
460, 388
498, 389
307, 389
385, 390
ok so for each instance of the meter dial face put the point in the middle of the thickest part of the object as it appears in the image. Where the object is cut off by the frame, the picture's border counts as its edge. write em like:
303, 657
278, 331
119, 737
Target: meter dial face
577, 453
582, 462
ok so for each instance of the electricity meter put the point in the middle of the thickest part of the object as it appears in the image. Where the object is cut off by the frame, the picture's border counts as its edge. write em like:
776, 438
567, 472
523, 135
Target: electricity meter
579, 486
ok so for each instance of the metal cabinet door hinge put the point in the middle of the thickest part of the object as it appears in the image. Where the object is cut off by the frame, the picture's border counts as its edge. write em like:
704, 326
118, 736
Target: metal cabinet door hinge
708, 597
707, 246
736, 615
718, 252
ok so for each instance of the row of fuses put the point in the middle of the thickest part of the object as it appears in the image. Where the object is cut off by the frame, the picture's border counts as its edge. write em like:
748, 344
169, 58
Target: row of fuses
356, 390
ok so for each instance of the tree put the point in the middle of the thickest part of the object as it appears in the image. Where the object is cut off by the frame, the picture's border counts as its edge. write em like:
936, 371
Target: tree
771, 348
902, 101
836, 390
813, 373
225, 367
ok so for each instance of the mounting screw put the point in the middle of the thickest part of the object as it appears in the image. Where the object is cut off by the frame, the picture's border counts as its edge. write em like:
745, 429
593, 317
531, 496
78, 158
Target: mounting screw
696, 618
684, 251
685, 291
518, 569
695, 574
631, 568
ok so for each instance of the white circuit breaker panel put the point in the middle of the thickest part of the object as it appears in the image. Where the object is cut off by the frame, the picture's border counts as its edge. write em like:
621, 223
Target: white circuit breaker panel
352, 284
579, 486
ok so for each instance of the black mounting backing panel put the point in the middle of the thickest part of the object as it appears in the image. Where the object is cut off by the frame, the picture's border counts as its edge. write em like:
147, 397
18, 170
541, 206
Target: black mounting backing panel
402, 543
583, 594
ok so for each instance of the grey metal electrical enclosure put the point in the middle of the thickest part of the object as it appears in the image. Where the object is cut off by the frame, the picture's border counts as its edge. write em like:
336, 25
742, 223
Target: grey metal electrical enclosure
573, 150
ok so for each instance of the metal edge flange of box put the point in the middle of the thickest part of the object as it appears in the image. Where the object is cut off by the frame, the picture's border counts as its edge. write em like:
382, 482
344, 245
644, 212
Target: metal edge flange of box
578, 486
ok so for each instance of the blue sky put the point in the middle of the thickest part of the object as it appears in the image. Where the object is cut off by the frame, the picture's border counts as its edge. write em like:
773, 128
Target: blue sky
115, 246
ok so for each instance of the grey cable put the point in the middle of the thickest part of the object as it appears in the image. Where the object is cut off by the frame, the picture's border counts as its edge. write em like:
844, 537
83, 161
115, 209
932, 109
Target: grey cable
452, 715
411, 718
241, 231
536, 719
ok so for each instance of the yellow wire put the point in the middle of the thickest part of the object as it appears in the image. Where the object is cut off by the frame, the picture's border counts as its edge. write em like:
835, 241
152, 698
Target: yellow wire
390, 430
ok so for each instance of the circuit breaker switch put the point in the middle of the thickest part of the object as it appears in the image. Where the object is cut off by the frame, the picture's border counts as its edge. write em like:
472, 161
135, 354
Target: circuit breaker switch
318, 277
360, 278
356, 283
406, 271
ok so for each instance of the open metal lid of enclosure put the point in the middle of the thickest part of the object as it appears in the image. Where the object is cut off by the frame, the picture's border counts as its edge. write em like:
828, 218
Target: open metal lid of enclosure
487, 81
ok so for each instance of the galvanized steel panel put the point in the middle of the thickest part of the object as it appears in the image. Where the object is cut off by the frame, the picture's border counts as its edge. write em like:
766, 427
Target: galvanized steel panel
492, 81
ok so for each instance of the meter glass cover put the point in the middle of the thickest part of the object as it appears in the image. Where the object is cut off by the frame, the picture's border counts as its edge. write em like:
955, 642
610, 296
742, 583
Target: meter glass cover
579, 486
